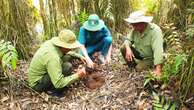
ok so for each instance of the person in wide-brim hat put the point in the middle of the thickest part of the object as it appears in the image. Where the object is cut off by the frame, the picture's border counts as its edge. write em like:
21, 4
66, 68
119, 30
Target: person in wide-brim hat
51, 66
95, 37
144, 47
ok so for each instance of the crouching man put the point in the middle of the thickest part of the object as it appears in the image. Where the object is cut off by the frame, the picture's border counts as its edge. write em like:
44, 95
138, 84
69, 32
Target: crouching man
50, 67
144, 47
95, 37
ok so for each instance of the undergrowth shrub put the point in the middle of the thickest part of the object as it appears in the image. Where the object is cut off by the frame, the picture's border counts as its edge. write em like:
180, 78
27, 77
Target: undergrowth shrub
8, 56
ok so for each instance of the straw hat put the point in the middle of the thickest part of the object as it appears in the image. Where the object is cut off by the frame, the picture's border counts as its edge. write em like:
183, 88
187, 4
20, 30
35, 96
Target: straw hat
66, 39
94, 23
138, 16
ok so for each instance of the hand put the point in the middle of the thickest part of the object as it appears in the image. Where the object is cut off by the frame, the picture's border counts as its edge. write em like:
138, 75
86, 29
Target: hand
157, 70
157, 73
82, 72
90, 63
129, 54
83, 59
108, 60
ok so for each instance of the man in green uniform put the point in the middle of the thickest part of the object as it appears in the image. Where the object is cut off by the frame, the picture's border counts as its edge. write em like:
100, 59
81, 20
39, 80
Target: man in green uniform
50, 67
144, 46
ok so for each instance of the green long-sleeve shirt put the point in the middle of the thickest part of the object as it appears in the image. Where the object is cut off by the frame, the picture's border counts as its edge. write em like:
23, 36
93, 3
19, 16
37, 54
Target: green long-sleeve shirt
149, 43
47, 60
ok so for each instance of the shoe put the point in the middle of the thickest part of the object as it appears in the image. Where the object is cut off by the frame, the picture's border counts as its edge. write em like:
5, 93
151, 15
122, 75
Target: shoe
56, 93
131, 64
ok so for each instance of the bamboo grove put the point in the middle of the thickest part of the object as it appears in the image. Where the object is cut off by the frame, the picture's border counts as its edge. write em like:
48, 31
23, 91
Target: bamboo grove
176, 17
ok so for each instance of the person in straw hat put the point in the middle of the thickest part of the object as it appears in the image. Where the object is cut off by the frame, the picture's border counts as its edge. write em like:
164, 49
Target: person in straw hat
95, 37
47, 69
144, 46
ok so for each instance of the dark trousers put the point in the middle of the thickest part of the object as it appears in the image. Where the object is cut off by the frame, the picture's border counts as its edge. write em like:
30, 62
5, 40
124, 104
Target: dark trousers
102, 46
45, 84
142, 64
136, 54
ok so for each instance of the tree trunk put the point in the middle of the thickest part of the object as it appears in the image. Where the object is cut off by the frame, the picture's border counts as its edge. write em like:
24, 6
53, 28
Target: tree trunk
65, 8
88, 5
16, 25
53, 31
44, 19
121, 10
18, 22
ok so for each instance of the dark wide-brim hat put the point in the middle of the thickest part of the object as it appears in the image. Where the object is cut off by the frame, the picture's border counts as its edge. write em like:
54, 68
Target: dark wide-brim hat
94, 23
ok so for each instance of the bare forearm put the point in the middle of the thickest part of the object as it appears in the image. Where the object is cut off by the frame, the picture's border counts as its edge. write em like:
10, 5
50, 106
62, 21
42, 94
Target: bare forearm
85, 52
109, 51
126, 45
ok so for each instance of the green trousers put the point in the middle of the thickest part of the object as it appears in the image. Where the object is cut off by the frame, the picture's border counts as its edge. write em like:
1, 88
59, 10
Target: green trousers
140, 63
45, 83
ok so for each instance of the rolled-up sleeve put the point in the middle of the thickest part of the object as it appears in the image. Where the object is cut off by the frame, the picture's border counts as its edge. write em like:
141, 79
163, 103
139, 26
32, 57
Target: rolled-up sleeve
55, 72
157, 47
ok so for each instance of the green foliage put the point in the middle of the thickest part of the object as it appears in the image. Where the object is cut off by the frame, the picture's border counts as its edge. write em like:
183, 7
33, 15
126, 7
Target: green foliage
108, 11
105, 10
172, 38
177, 63
136, 5
83, 16
187, 78
174, 52
181, 13
17, 23
8, 55
190, 32
150, 6
172, 66
148, 79
161, 103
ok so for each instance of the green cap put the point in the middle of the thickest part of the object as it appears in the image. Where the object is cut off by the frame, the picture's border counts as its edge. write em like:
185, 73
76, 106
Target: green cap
94, 23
